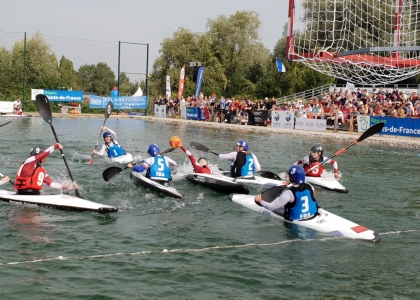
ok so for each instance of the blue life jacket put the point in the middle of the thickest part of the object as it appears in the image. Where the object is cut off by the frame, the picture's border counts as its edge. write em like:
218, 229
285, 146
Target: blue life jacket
159, 170
304, 206
249, 168
115, 151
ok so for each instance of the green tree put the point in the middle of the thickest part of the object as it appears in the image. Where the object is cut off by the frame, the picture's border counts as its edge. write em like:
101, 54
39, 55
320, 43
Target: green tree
99, 79
68, 76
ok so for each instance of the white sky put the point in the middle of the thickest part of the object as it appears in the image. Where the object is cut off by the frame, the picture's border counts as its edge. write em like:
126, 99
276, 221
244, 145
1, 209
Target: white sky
137, 21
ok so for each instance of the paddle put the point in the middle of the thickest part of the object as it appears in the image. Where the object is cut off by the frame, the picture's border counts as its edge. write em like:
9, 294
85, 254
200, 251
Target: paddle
269, 175
2, 176
43, 105
111, 172
368, 133
201, 148
272, 193
108, 110
5, 123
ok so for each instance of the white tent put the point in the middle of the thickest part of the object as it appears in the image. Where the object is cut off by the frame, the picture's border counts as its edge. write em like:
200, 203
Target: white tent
139, 93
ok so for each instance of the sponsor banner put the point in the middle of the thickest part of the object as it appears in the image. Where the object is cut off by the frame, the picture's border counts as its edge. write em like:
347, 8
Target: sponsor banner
311, 124
398, 126
183, 112
283, 119
160, 111
200, 75
119, 102
6, 107
363, 123
194, 113
181, 82
168, 87
260, 117
35, 92
63, 96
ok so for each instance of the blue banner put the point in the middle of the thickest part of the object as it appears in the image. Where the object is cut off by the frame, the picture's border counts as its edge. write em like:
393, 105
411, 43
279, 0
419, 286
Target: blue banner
200, 75
398, 126
64, 96
119, 102
192, 113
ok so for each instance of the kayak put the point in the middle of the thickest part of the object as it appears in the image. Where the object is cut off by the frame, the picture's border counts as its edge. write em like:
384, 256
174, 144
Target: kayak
218, 183
142, 180
255, 181
123, 159
325, 221
325, 182
63, 202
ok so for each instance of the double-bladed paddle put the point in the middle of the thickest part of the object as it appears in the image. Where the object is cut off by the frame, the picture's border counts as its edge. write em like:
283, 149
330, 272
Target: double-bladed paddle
202, 148
2, 176
108, 110
43, 105
111, 172
5, 123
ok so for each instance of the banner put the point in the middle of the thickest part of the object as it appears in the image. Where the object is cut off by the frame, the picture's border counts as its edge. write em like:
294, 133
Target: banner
6, 106
181, 82
311, 124
363, 123
160, 111
168, 87
283, 119
200, 75
398, 126
183, 112
119, 102
58, 95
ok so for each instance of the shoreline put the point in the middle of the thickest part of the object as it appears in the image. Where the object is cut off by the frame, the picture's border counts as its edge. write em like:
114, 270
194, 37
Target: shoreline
389, 140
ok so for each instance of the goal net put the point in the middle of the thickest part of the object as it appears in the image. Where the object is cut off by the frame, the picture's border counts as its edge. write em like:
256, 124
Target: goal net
360, 41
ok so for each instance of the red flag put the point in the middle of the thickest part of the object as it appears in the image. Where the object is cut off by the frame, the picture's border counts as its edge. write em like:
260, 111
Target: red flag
181, 81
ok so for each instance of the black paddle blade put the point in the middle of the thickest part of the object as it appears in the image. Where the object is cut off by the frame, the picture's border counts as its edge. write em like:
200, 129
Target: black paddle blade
371, 131
272, 193
269, 175
199, 147
43, 105
167, 151
108, 109
111, 172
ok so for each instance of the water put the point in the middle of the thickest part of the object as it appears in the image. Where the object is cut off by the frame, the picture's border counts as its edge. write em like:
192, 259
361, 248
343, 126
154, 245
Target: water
216, 248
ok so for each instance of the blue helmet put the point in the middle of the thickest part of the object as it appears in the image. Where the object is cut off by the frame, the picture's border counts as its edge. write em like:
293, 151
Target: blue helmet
153, 150
106, 133
243, 144
296, 174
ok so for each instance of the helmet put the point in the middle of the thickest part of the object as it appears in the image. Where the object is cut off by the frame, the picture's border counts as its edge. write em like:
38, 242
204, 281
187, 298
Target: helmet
106, 133
202, 158
243, 144
153, 150
317, 148
296, 174
36, 150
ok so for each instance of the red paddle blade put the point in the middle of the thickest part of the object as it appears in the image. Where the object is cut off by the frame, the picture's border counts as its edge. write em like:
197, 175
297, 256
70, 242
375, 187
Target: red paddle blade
90, 161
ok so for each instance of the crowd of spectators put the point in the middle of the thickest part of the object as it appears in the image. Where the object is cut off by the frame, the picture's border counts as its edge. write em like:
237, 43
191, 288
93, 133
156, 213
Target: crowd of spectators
339, 105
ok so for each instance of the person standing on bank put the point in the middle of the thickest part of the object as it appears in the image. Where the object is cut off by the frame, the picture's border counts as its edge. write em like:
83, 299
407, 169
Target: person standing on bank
296, 202
110, 146
244, 163
31, 176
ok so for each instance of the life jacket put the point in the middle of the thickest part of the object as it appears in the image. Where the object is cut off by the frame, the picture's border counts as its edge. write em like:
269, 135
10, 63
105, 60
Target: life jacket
159, 170
304, 206
115, 150
247, 170
312, 163
33, 182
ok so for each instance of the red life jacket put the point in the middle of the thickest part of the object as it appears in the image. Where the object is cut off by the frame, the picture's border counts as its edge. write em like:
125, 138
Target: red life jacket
35, 181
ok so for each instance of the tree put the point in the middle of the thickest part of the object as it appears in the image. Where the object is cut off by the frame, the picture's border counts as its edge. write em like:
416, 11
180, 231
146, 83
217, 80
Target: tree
68, 76
99, 79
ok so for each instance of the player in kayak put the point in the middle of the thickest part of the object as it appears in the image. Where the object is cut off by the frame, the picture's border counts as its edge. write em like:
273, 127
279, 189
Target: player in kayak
157, 165
312, 161
297, 202
110, 146
244, 163
31, 176
200, 165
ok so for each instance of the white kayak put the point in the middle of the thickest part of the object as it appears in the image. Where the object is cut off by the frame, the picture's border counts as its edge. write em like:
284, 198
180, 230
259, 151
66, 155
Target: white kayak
123, 159
64, 202
327, 182
326, 222
140, 179
254, 181
218, 183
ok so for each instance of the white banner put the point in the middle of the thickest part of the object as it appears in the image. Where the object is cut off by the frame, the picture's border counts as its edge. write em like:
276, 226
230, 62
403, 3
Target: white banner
282, 119
363, 123
168, 87
160, 111
35, 92
311, 124
6, 107
183, 112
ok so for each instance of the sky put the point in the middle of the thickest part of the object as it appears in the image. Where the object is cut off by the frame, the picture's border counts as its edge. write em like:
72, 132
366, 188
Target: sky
135, 21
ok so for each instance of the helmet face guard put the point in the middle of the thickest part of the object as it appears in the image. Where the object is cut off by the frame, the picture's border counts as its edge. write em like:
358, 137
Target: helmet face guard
317, 148
106, 134
202, 161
